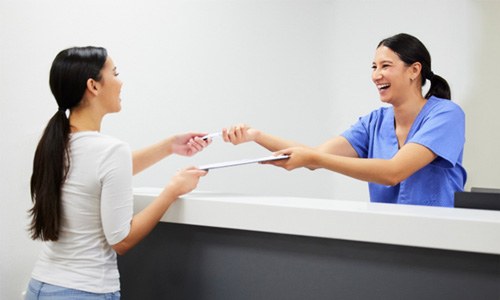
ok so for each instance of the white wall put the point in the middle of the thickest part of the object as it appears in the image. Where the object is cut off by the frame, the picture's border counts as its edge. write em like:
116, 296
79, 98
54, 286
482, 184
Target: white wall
299, 69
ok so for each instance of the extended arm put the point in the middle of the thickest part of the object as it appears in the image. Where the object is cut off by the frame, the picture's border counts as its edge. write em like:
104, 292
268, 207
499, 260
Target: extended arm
186, 144
338, 146
243, 133
409, 159
148, 218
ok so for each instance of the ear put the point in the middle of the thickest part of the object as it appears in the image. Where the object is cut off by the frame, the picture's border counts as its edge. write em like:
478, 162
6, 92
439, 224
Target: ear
93, 86
415, 70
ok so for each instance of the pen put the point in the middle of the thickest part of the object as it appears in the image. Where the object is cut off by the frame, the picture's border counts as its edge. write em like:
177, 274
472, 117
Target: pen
212, 135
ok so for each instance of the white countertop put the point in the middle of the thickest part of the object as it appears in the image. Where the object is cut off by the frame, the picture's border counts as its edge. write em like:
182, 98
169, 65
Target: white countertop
407, 225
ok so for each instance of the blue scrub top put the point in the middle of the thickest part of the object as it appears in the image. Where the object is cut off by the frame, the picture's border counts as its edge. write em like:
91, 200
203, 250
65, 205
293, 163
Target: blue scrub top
440, 126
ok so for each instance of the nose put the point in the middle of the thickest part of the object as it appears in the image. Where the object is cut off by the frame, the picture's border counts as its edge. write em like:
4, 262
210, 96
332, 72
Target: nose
376, 75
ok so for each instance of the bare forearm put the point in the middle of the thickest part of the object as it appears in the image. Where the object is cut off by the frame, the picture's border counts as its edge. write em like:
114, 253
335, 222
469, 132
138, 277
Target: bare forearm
148, 156
145, 221
371, 170
274, 143
411, 158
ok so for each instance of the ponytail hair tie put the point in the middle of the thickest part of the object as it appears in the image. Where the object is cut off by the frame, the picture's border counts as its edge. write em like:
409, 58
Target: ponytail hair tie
430, 75
62, 110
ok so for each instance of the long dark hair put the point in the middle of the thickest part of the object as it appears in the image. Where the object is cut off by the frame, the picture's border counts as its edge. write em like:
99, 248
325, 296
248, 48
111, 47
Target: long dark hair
68, 80
411, 50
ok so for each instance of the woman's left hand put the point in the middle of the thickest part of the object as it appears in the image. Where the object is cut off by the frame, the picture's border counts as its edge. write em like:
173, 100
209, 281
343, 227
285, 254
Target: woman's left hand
298, 157
189, 144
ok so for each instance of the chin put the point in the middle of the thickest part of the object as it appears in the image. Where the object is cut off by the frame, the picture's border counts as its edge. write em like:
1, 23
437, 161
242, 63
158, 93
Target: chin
117, 109
385, 99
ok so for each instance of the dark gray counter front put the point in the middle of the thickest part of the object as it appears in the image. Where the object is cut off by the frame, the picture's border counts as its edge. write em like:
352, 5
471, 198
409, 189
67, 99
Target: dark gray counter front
179, 261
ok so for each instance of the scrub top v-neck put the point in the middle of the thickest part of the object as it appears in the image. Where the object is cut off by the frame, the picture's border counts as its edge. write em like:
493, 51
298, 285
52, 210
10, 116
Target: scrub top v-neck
440, 126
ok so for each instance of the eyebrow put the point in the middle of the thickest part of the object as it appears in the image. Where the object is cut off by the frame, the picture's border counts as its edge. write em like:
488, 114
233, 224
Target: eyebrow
384, 61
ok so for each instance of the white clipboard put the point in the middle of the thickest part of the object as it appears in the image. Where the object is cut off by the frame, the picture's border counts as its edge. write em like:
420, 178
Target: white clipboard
241, 162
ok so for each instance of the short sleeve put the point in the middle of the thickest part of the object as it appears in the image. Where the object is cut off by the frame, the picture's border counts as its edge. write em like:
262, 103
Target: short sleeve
359, 135
116, 194
443, 132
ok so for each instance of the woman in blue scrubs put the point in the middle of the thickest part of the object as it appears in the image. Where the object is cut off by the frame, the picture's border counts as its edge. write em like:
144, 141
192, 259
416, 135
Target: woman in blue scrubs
409, 153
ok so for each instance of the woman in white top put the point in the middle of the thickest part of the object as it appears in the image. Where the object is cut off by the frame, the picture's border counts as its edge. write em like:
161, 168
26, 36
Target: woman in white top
81, 184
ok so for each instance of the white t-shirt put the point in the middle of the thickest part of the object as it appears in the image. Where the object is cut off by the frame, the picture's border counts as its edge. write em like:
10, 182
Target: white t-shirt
97, 205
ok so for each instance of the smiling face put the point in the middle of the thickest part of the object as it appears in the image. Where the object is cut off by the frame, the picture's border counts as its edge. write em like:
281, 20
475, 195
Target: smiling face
392, 77
110, 87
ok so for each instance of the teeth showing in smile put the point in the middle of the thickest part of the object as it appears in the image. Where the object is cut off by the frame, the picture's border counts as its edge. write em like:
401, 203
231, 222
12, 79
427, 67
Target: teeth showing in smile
383, 86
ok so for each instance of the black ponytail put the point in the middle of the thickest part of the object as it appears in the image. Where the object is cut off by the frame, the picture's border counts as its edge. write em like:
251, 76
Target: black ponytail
411, 50
68, 80
439, 88
50, 167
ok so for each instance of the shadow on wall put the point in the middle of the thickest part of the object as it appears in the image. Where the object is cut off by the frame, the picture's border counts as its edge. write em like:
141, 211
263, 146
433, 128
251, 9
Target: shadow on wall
481, 105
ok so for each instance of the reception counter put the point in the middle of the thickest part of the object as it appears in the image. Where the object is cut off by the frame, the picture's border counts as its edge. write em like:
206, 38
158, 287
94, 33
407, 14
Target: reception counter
228, 246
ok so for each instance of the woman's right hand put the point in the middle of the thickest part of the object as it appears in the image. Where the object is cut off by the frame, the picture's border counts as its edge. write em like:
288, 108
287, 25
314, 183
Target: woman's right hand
144, 221
239, 134
185, 181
